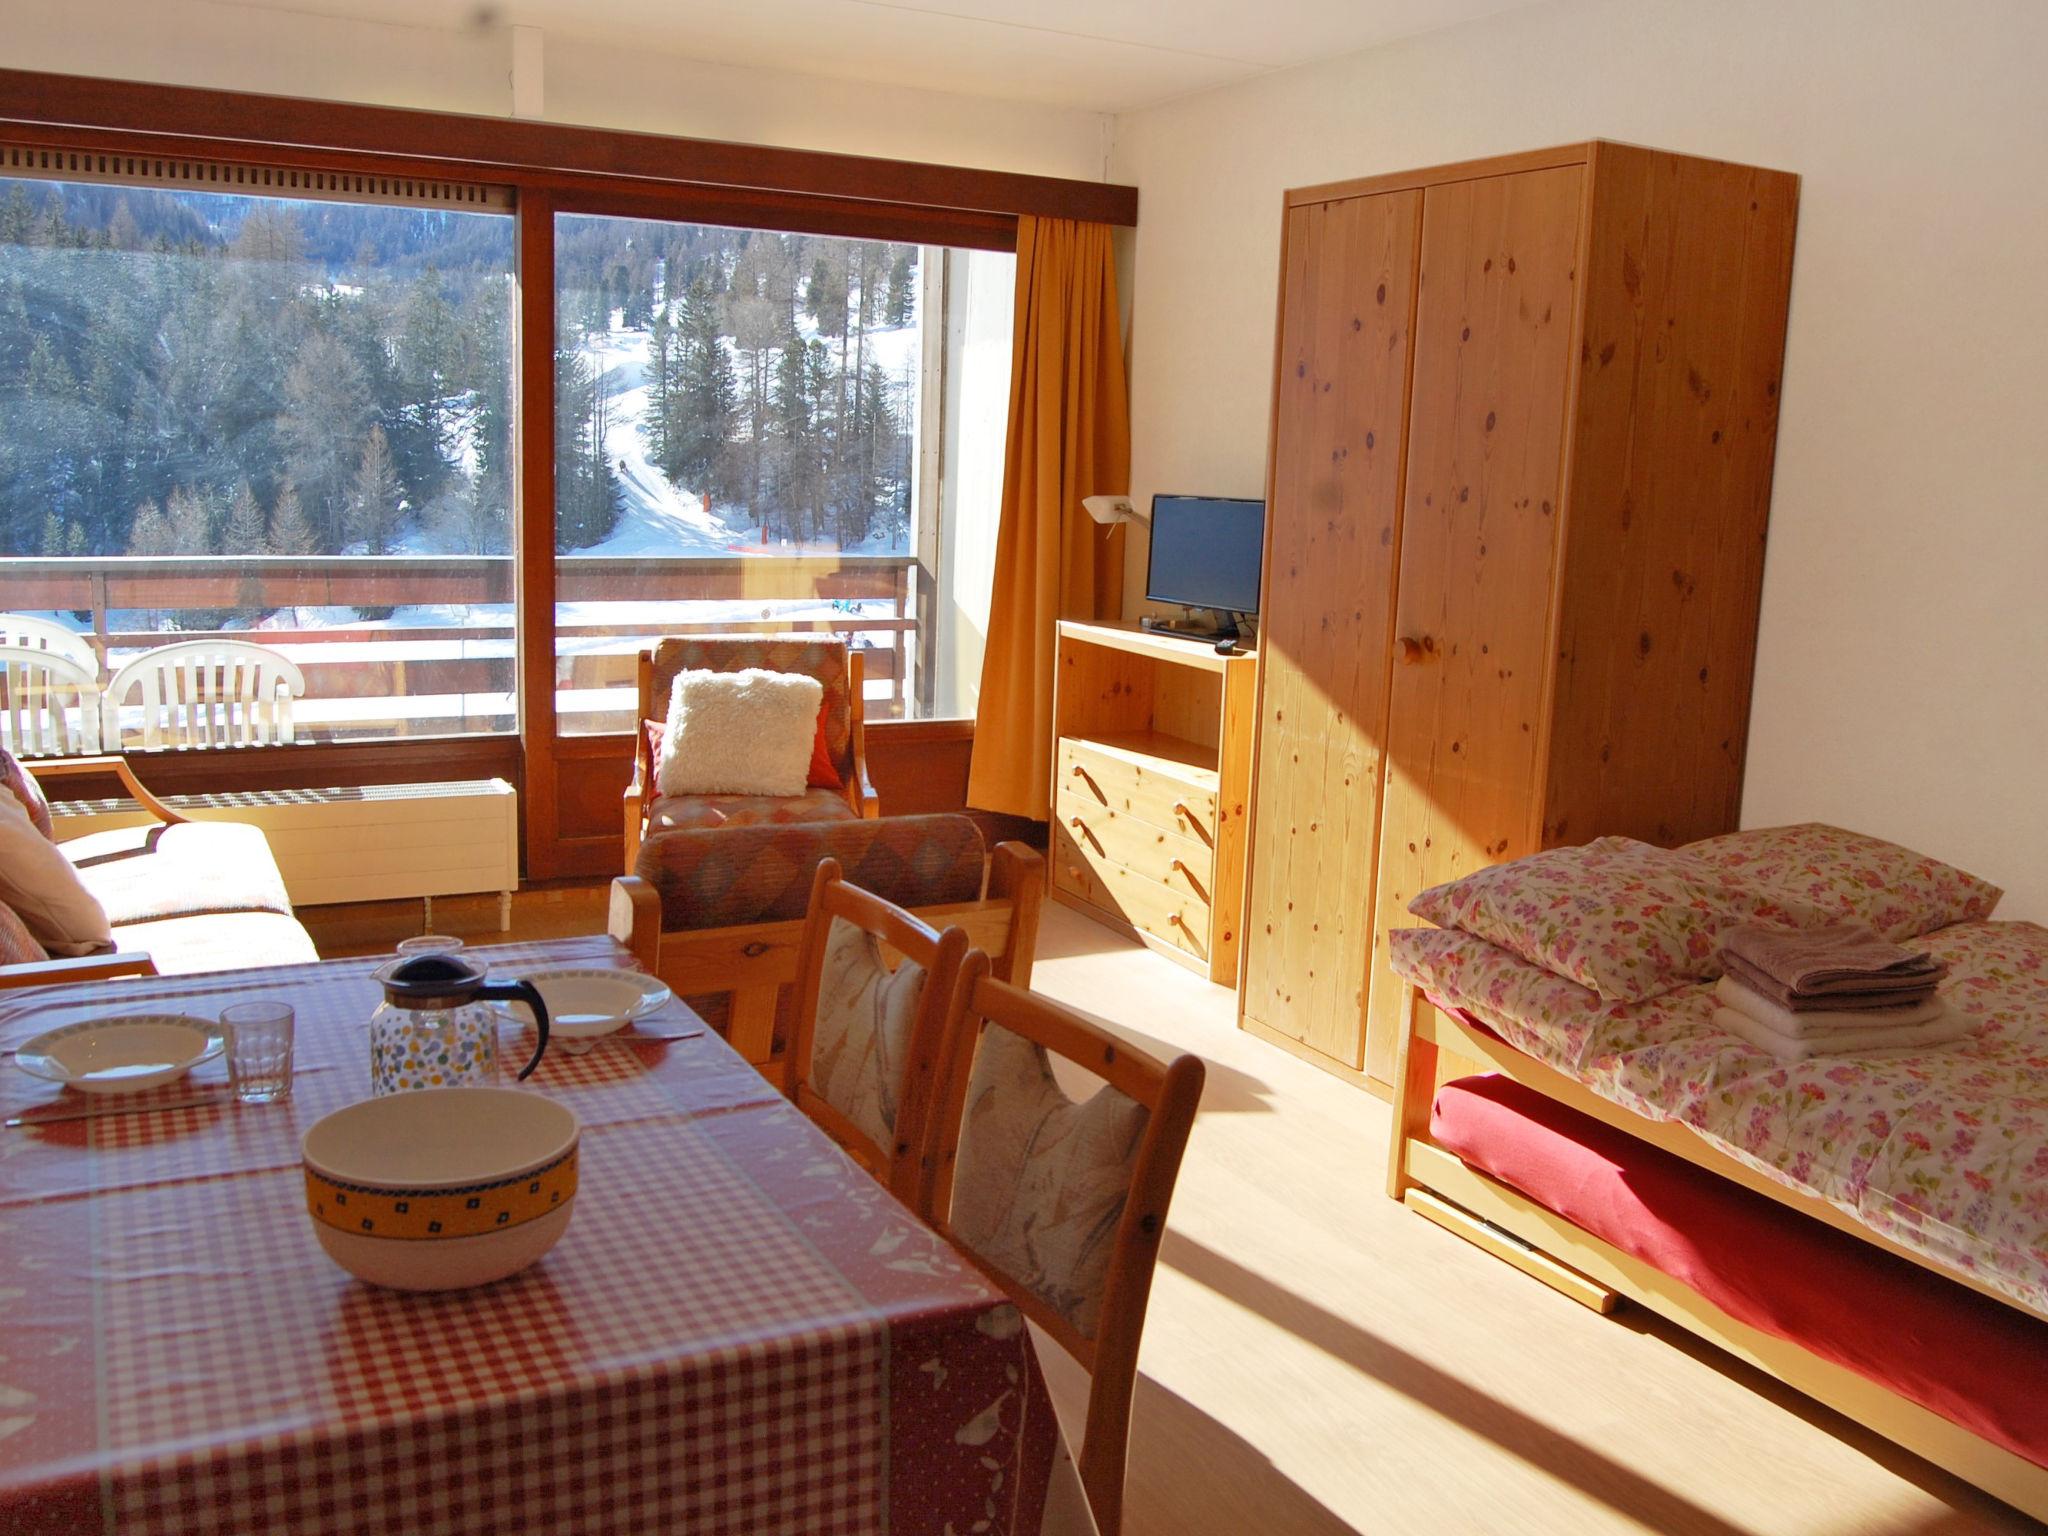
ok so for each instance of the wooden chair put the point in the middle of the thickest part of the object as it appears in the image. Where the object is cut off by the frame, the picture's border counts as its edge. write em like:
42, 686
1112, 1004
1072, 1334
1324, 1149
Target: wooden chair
719, 913
831, 661
865, 1047
30, 633
49, 703
208, 693
1025, 1180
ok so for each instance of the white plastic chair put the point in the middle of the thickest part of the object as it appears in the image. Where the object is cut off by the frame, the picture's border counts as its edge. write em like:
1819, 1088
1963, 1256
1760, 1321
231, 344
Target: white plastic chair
51, 705
27, 632
208, 693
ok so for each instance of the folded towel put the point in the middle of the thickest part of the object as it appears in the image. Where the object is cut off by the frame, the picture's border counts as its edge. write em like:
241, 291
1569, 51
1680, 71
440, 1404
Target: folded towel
1839, 957
1947, 1029
1879, 989
1820, 1023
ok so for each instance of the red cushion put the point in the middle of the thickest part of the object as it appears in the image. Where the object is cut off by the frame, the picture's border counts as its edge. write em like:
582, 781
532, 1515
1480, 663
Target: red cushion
1973, 1360
821, 774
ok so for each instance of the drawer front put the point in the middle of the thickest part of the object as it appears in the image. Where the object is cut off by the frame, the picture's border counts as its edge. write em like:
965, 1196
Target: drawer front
1149, 794
1183, 864
1179, 919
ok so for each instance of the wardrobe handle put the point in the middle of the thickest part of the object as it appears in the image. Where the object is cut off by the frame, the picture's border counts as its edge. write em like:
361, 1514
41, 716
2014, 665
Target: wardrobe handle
1414, 651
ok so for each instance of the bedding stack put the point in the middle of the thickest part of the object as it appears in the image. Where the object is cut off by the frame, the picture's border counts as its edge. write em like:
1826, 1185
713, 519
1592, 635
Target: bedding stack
1835, 990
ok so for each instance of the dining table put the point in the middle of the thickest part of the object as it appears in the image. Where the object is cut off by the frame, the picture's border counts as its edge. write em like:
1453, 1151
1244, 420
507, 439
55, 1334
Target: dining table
739, 1330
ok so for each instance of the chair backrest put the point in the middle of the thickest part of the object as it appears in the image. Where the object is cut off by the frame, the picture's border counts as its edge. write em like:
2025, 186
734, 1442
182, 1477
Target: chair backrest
1061, 1201
821, 656
718, 912
51, 705
30, 633
207, 693
865, 1043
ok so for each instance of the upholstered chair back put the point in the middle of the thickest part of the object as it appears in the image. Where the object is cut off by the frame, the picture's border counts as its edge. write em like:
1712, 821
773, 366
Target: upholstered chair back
818, 656
1061, 1200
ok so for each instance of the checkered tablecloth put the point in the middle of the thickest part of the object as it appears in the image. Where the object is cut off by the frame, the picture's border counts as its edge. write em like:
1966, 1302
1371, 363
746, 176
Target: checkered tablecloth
739, 1330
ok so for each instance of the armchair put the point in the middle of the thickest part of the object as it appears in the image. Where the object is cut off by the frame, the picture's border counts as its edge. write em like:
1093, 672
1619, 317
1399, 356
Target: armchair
831, 661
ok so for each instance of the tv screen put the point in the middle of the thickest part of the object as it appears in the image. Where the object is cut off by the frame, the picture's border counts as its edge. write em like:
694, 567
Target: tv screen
1206, 552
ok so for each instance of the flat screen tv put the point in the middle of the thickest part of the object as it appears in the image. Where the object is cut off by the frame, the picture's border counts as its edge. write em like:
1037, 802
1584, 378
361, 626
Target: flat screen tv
1206, 552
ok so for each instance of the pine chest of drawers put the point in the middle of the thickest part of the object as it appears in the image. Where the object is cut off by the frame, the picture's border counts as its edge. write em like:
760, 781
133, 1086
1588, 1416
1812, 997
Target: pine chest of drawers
1150, 790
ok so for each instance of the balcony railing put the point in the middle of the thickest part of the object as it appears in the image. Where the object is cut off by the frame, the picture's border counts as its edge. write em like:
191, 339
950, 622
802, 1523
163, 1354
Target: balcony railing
413, 674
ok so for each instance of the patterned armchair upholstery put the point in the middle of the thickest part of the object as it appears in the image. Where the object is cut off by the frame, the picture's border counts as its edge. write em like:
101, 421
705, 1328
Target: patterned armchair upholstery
730, 903
831, 661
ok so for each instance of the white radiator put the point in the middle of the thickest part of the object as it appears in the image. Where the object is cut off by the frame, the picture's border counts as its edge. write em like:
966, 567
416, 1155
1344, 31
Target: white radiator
376, 842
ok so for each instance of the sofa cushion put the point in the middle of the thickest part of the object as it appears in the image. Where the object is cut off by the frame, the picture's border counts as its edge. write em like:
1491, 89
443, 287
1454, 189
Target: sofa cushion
17, 945
22, 784
220, 941
46, 893
139, 874
683, 813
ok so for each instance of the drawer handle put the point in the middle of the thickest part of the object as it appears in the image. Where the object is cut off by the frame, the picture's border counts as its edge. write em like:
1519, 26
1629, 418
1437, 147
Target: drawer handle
1193, 878
1194, 822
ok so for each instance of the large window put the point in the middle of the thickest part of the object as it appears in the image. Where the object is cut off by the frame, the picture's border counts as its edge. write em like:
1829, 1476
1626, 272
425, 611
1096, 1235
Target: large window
282, 421
774, 431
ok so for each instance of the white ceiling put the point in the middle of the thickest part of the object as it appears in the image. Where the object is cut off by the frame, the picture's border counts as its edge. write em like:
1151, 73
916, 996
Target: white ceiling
1102, 55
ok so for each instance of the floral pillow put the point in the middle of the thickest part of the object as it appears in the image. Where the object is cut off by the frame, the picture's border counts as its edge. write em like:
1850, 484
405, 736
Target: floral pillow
1900, 893
1627, 919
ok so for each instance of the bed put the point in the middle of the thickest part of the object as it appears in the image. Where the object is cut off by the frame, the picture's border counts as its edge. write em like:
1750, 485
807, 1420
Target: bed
1623, 1147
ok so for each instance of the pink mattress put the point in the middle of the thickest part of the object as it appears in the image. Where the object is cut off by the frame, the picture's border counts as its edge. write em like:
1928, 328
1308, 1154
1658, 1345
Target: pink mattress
1965, 1356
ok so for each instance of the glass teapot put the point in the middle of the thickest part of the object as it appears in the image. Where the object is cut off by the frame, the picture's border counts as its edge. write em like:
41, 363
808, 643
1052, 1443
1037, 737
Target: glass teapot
434, 1031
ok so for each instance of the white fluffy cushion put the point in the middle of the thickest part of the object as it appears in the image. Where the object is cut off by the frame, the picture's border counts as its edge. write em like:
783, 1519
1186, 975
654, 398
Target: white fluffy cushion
739, 733
44, 890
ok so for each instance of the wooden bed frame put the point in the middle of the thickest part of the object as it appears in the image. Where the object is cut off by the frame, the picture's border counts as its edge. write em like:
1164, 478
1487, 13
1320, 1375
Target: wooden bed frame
1437, 1184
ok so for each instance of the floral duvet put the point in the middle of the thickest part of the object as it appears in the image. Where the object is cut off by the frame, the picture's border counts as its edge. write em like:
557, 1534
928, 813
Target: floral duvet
1945, 1152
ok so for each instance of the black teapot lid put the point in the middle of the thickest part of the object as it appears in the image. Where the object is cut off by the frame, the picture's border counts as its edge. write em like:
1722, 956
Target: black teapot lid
420, 977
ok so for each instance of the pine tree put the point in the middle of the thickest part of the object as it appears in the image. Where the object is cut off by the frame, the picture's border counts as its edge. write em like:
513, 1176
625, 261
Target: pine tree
290, 533
373, 507
328, 412
190, 516
707, 397
149, 534
901, 303
245, 533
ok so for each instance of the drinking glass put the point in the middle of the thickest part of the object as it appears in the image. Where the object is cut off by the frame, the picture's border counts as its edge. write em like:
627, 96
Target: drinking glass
259, 1050
430, 944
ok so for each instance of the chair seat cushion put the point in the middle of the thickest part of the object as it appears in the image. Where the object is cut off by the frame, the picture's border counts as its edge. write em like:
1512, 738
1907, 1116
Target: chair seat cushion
220, 941
680, 813
140, 874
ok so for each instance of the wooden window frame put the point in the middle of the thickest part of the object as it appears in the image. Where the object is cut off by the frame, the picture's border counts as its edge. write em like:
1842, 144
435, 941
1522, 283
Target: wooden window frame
552, 168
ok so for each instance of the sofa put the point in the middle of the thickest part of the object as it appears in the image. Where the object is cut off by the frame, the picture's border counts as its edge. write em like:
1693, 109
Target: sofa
180, 896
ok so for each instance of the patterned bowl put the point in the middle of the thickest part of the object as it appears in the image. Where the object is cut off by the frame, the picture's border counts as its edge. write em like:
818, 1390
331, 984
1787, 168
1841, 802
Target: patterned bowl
441, 1188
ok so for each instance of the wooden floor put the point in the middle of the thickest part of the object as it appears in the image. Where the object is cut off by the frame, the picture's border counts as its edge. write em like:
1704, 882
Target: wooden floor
1318, 1360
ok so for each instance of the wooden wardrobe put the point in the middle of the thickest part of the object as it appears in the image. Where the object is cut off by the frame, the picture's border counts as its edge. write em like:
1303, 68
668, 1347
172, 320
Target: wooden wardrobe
1523, 421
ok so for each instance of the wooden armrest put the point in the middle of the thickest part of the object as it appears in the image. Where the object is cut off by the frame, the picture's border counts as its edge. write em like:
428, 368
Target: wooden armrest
43, 973
86, 767
635, 920
864, 798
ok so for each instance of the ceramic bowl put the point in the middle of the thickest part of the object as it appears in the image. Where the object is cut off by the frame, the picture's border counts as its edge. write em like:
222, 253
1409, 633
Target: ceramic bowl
124, 1054
441, 1188
585, 1003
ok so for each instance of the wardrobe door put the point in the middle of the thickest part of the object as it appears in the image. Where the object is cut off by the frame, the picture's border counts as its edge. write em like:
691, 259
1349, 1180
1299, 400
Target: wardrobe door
1493, 344
1347, 305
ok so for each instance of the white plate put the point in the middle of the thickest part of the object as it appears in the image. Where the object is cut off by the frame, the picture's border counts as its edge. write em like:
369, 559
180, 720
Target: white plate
125, 1054
584, 1004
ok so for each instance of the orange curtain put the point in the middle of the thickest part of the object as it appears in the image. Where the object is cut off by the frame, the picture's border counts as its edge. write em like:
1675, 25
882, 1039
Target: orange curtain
1070, 437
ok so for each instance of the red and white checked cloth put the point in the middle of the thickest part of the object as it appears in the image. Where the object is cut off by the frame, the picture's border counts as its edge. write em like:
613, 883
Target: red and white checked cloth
739, 1332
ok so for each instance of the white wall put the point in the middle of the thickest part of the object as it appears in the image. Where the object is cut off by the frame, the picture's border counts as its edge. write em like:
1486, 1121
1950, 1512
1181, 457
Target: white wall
1902, 680
245, 48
